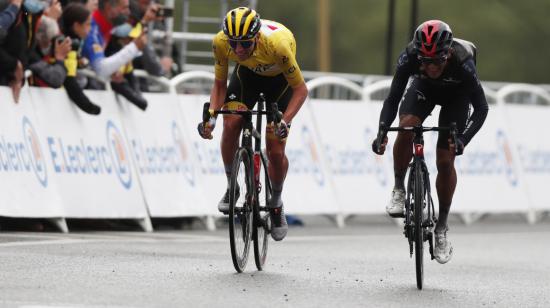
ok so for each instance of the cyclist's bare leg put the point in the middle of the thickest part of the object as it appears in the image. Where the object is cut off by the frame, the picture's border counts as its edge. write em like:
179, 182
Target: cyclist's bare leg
445, 184
278, 163
232, 126
402, 150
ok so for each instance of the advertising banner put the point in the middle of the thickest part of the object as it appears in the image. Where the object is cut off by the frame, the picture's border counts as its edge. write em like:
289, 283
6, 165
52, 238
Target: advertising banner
162, 152
89, 156
362, 179
206, 153
532, 147
27, 180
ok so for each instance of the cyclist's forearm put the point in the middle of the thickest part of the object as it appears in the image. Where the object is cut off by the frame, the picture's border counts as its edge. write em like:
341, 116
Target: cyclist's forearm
217, 96
481, 109
298, 98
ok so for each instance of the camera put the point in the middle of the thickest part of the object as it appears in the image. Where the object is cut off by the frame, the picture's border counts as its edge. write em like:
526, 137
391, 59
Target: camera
165, 12
75, 42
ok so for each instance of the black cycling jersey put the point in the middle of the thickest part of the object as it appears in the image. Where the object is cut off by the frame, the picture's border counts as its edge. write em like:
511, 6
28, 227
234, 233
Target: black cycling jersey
459, 78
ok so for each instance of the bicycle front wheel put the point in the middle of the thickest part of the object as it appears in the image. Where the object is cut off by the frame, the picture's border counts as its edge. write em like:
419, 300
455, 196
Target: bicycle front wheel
262, 223
241, 198
419, 190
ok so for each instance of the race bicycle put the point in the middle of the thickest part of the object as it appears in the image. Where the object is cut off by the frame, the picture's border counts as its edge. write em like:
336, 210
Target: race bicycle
419, 212
249, 187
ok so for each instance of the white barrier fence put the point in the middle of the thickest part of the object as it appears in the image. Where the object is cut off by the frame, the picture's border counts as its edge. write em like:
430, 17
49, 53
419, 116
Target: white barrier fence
57, 162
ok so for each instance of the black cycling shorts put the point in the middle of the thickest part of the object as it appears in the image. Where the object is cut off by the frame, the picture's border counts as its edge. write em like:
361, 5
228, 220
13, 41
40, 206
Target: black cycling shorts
420, 99
245, 87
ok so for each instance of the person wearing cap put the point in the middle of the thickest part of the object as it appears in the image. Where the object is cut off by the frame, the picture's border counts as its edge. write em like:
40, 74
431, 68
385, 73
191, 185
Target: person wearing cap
124, 81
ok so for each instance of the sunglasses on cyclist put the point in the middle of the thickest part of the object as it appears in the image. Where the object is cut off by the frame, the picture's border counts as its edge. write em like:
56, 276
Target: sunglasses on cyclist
433, 60
244, 44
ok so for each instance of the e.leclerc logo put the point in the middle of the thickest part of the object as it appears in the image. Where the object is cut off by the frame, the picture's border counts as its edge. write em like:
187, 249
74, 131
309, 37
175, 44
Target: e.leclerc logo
33, 151
315, 161
25, 154
186, 166
508, 159
120, 155
91, 159
168, 158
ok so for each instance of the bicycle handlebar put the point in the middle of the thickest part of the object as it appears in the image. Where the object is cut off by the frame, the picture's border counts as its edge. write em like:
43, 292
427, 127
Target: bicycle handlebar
383, 129
272, 110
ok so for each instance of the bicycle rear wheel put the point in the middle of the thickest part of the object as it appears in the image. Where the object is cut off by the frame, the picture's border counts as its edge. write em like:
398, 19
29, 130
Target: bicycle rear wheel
262, 223
419, 191
241, 198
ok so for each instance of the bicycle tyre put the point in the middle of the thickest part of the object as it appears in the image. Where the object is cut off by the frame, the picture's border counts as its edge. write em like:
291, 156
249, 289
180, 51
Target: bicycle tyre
418, 229
262, 222
240, 209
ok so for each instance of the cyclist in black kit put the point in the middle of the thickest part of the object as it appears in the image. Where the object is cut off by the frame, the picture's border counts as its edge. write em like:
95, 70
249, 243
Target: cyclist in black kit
444, 73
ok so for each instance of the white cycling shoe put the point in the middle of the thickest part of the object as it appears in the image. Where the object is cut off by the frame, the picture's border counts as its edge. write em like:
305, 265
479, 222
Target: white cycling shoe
396, 206
443, 250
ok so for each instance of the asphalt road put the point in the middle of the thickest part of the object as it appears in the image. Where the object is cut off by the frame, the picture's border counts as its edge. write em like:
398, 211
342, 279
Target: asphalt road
497, 263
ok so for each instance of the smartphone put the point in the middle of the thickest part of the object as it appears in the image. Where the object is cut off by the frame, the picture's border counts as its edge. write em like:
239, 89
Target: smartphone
165, 12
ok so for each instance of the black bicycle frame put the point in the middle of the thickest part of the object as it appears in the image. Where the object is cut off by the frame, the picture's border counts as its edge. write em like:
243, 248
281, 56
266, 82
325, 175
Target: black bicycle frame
418, 165
249, 132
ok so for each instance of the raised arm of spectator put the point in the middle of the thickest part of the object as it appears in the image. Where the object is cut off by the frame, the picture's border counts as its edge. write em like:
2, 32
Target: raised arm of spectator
106, 66
8, 15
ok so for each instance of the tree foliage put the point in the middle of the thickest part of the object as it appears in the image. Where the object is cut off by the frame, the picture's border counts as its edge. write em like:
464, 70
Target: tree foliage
512, 37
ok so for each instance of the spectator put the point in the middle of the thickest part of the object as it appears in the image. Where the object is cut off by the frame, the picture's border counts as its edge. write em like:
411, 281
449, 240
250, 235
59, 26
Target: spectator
144, 12
124, 82
16, 47
47, 60
91, 5
76, 23
52, 9
7, 16
110, 12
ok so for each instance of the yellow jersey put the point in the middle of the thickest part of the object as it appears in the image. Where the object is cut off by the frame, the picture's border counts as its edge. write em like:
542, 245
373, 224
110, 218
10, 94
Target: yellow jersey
275, 53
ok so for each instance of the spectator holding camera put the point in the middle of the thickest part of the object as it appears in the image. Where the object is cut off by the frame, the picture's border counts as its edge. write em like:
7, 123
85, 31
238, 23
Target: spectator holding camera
16, 46
47, 59
110, 13
76, 23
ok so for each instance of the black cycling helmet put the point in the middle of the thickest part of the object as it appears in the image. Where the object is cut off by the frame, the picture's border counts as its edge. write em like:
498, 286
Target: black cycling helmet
241, 24
433, 38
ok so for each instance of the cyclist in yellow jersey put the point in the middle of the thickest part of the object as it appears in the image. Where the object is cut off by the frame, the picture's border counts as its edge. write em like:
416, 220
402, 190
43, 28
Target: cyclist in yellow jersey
265, 56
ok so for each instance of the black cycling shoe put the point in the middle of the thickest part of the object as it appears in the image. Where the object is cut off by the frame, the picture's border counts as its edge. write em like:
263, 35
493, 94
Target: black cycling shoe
223, 205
